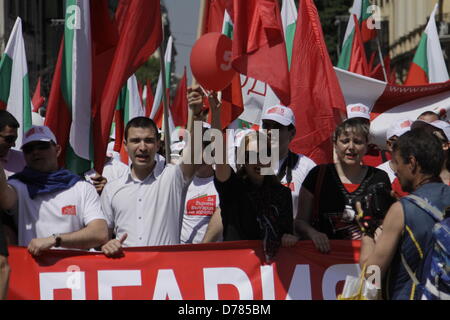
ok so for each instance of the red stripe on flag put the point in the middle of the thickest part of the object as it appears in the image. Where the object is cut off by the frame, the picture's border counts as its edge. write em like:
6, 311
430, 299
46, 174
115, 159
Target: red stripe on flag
58, 117
416, 76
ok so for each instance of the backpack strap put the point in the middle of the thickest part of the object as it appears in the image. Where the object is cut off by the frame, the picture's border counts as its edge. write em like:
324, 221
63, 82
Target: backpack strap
287, 166
431, 210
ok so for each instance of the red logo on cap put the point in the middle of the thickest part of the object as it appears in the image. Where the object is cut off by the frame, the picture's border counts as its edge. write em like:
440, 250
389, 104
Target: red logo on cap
276, 110
69, 211
33, 131
358, 109
405, 124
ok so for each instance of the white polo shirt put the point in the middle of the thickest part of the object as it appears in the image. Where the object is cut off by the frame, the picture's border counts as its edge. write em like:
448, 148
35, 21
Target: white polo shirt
202, 200
149, 211
13, 163
57, 212
299, 173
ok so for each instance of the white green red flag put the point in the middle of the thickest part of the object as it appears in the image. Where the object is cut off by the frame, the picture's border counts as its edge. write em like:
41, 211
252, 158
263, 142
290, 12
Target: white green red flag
70, 103
428, 65
14, 83
289, 20
129, 106
390, 102
351, 57
157, 112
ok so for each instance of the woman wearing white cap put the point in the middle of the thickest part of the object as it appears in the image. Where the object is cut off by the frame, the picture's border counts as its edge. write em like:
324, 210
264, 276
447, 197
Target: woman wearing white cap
330, 191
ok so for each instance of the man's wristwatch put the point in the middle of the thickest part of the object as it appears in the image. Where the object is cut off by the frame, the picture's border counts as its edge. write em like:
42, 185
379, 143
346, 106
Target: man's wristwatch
57, 237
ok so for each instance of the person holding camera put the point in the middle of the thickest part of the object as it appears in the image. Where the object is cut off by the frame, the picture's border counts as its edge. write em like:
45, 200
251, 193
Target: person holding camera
401, 248
330, 191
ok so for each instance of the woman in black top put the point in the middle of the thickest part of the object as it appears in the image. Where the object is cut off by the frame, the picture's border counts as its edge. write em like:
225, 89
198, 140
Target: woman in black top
253, 206
329, 192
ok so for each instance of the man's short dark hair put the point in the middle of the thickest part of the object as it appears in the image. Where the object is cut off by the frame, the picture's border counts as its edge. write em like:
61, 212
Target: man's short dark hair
7, 119
141, 122
425, 147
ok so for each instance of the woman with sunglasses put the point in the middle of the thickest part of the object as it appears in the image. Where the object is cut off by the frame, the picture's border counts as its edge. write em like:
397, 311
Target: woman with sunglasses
330, 191
254, 205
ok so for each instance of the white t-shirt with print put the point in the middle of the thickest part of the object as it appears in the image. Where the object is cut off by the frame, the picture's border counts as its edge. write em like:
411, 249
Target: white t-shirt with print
57, 212
202, 200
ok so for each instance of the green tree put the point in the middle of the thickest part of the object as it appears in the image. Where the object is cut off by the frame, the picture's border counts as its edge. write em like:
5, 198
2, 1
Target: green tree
329, 11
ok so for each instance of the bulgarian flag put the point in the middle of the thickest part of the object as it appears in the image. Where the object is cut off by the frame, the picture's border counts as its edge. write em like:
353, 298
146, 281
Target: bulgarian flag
389, 102
129, 106
289, 20
157, 108
14, 84
69, 108
353, 44
428, 65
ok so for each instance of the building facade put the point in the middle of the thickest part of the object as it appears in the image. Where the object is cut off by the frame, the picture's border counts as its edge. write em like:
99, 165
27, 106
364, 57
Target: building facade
407, 21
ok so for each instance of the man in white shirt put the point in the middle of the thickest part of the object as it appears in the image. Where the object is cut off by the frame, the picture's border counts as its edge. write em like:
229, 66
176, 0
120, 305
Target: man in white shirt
144, 207
397, 129
55, 207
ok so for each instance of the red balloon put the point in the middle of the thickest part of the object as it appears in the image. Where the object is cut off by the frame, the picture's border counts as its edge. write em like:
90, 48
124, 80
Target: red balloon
211, 61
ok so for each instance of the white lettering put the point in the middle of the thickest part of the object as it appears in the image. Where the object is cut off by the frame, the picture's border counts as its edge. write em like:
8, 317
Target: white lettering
333, 275
268, 284
50, 281
213, 277
300, 287
166, 286
107, 279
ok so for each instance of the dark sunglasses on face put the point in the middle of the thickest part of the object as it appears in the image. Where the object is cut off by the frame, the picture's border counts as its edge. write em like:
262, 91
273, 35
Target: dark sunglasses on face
9, 139
41, 146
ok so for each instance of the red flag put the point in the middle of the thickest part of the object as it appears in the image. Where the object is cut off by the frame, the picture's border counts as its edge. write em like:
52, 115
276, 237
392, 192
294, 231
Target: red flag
232, 102
377, 72
38, 100
180, 103
317, 99
358, 63
149, 100
121, 11
259, 50
140, 36
58, 117
216, 12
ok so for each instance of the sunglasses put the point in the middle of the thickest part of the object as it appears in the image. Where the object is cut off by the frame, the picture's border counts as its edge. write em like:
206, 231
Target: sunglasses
42, 146
9, 139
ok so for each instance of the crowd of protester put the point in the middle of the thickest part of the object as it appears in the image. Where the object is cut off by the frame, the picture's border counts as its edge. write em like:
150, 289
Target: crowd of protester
153, 202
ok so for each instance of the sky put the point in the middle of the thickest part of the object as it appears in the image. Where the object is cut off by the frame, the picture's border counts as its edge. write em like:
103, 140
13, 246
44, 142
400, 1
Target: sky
183, 16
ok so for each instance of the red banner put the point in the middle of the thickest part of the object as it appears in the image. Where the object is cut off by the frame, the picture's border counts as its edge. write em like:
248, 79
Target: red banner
233, 270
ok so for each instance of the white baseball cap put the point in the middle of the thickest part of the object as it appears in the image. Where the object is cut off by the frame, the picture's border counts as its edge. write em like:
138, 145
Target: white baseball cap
398, 128
280, 114
358, 110
38, 133
444, 126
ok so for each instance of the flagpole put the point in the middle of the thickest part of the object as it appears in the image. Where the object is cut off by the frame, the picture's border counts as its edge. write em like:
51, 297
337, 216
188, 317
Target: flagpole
165, 102
200, 27
380, 54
